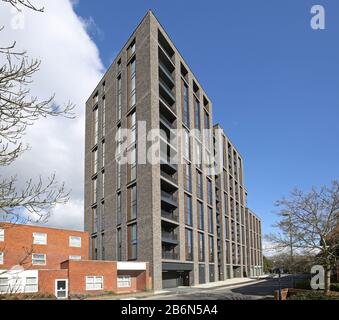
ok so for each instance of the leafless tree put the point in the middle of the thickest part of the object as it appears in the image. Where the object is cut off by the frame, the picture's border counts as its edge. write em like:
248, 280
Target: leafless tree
18, 111
309, 219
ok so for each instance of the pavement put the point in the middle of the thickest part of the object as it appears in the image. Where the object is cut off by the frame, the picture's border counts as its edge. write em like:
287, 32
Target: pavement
261, 288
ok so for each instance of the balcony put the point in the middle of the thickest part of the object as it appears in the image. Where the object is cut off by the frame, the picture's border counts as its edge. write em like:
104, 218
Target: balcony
168, 200
166, 74
167, 169
169, 112
168, 255
166, 93
169, 238
170, 215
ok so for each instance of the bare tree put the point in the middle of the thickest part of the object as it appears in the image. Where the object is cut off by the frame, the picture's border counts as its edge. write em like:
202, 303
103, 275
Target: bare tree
310, 220
18, 111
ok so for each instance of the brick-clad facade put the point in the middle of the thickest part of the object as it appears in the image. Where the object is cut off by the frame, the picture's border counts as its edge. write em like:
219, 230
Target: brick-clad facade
180, 230
64, 269
18, 246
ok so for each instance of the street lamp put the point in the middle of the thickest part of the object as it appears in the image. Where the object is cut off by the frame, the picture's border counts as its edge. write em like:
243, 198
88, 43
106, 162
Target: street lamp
289, 215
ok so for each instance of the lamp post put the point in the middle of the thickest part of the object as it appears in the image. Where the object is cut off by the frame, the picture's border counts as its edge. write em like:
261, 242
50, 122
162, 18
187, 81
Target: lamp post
289, 215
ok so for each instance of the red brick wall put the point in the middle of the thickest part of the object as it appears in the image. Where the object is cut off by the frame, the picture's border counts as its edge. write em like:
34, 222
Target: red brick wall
47, 280
78, 270
18, 246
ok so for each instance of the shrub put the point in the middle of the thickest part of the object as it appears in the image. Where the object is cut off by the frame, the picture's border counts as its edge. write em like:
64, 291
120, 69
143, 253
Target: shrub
312, 295
335, 287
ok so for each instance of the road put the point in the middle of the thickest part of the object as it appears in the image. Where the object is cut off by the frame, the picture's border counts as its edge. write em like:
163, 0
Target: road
263, 289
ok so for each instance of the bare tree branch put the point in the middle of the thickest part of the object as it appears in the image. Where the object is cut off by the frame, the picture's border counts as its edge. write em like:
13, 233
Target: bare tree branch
310, 221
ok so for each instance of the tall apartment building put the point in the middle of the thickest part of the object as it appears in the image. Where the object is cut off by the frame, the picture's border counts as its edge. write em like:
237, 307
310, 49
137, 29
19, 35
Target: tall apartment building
191, 225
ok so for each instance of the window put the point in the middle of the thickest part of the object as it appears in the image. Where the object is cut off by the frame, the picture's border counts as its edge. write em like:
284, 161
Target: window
95, 161
119, 241
75, 258
200, 215
188, 184
119, 109
198, 154
103, 116
124, 282
119, 66
38, 259
131, 49
201, 247
132, 208
75, 242
189, 245
94, 283
4, 285
187, 145
95, 220
211, 249
132, 242
188, 210
199, 185
132, 124
2, 235
40, 238
95, 190
103, 185
197, 121
209, 192
210, 220
96, 125
1, 258
118, 174
103, 153
185, 106
132, 83
31, 285
207, 131
132, 168
119, 209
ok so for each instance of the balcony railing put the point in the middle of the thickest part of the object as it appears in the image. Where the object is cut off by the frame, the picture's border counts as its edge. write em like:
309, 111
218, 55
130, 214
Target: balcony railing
170, 215
170, 255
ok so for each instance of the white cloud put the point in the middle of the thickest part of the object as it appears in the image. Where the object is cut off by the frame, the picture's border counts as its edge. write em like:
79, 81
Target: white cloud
71, 68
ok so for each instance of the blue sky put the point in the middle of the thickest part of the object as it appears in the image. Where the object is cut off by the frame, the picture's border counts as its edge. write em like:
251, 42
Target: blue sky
274, 81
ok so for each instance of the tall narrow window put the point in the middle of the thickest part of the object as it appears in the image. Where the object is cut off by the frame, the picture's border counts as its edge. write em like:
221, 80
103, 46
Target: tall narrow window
103, 185
185, 106
119, 216
118, 175
132, 153
209, 192
132, 83
132, 208
197, 121
96, 125
207, 131
211, 249
188, 210
200, 215
132, 242
187, 145
189, 245
119, 109
95, 220
199, 186
188, 184
103, 154
95, 161
119, 244
201, 245
95, 190
103, 116
210, 220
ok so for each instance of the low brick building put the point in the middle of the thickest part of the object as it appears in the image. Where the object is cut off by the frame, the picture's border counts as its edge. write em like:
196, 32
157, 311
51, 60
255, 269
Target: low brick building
55, 262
